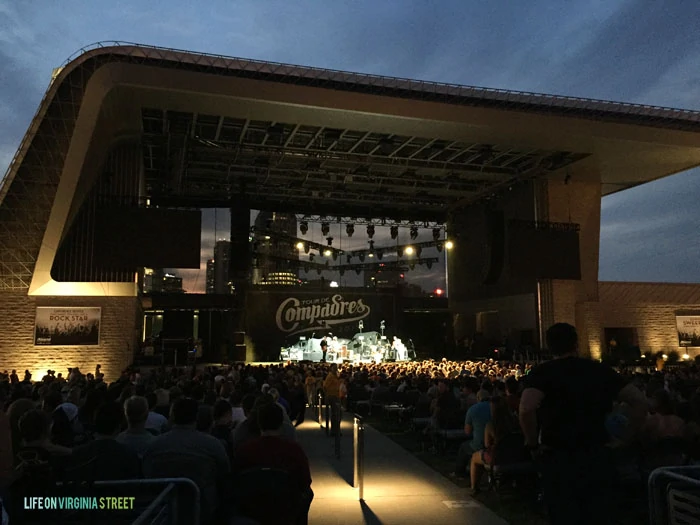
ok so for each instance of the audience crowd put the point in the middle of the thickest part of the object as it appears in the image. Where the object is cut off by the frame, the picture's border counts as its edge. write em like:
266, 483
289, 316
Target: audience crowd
222, 427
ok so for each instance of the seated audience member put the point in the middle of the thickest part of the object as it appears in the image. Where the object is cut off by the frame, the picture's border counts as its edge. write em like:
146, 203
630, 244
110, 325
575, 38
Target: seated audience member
35, 431
205, 418
272, 450
663, 423
474, 426
503, 422
183, 452
103, 458
136, 437
155, 423
246, 429
61, 426
513, 394
237, 412
223, 425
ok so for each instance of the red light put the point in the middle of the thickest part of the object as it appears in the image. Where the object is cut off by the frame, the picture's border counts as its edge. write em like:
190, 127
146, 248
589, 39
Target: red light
402, 276
439, 291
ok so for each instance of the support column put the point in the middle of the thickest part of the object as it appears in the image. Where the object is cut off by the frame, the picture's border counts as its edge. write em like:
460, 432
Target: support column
576, 302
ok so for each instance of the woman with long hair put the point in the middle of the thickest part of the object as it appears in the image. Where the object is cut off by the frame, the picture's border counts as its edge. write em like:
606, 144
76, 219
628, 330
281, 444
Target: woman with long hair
502, 423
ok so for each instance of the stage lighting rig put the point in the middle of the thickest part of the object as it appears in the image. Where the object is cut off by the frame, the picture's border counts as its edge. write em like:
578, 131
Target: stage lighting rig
414, 232
304, 227
325, 229
350, 229
370, 230
449, 245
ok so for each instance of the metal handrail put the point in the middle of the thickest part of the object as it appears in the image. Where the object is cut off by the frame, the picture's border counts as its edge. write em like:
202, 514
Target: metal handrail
320, 408
359, 456
660, 513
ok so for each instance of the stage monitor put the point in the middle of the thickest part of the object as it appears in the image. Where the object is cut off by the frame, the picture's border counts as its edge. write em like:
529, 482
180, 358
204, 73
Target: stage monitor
544, 251
150, 237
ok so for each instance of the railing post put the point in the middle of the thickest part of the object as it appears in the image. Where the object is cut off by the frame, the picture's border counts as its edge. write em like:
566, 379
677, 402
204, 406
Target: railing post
339, 419
320, 408
359, 457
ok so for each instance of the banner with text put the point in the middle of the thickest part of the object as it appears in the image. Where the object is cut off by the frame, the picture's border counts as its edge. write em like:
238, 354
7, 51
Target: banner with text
67, 326
275, 319
688, 330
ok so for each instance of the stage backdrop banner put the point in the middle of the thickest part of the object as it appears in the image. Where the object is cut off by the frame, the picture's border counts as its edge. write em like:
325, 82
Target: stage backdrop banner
67, 326
275, 319
688, 330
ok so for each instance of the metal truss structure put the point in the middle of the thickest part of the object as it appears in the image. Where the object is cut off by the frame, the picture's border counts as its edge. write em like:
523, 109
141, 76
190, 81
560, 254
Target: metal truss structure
197, 160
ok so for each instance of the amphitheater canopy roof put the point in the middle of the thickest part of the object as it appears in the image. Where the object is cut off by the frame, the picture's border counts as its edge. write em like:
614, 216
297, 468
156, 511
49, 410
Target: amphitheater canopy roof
329, 142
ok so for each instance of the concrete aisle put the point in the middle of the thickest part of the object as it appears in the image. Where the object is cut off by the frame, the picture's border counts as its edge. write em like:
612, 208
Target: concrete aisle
399, 489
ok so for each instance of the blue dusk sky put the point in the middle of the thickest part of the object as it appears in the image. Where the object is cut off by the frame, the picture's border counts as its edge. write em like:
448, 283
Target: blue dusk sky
640, 51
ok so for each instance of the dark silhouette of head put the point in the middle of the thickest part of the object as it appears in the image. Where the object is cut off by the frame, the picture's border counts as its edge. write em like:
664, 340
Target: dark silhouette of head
562, 339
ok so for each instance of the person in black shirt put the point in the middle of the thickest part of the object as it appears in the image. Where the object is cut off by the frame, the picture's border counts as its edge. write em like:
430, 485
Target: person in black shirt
570, 398
324, 348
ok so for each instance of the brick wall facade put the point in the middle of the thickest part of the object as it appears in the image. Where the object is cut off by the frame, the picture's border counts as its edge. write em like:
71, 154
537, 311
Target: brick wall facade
118, 334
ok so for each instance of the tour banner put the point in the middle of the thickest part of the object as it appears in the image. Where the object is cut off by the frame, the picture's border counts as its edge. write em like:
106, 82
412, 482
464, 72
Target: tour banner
688, 330
69, 326
278, 318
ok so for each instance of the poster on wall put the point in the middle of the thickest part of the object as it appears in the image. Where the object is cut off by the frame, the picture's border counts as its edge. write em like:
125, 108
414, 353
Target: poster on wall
67, 326
688, 327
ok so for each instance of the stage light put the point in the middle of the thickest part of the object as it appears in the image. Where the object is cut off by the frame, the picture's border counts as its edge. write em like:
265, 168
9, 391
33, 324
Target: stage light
436, 234
330, 241
303, 227
370, 230
300, 246
394, 230
439, 291
370, 255
328, 253
402, 275
350, 229
449, 245
333, 284
414, 233
325, 229
267, 237
408, 250
686, 357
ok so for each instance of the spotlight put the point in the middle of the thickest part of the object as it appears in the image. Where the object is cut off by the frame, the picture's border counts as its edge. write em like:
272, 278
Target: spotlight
394, 232
436, 234
328, 253
350, 229
370, 230
303, 227
325, 229
408, 250
300, 246
330, 241
370, 255
414, 233
449, 245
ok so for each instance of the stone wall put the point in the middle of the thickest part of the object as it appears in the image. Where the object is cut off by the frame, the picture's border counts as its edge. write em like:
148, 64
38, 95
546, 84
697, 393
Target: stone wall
119, 332
651, 308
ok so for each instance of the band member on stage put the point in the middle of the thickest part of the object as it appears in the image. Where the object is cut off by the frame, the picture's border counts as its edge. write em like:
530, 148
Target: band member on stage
324, 348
